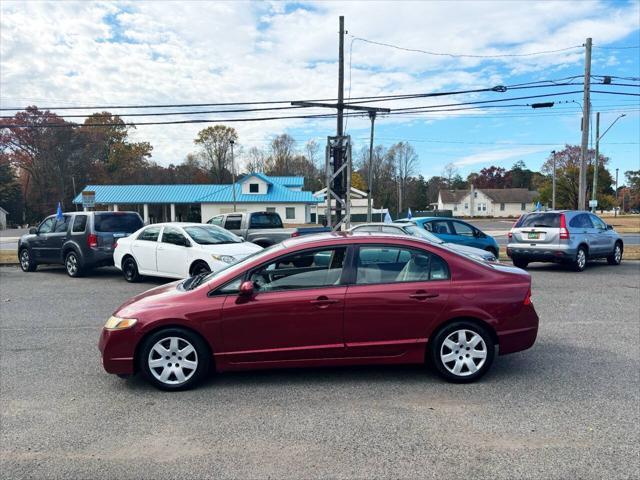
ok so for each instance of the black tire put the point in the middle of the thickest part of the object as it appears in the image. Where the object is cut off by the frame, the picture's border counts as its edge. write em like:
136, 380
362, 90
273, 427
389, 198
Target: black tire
201, 356
437, 349
492, 250
580, 261
130, 270
520, 263
616, 256
27, 263
73, 264
200, 267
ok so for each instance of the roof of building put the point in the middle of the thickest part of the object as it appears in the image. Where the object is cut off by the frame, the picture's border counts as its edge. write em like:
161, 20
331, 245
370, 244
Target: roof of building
498, 195
278, 191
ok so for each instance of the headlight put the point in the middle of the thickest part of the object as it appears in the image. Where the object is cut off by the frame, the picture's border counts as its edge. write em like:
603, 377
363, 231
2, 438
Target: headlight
224, 258
117, 323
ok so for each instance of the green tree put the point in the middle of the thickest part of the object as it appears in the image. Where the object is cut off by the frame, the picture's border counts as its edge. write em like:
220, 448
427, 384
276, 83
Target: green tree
10, 192
215, 150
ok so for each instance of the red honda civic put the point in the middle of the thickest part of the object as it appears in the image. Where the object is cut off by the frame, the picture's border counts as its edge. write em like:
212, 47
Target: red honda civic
331, 299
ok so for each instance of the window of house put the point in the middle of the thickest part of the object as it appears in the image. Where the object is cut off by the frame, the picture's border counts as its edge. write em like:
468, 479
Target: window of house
502, 207
290, 213
475, 194
484, 207
271, 209
466, 206
254, 188
79, 223
479, 207
523, 206
455, 208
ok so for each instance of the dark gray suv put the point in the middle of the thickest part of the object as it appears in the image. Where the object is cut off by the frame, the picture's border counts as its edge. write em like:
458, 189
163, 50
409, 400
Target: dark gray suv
79, 240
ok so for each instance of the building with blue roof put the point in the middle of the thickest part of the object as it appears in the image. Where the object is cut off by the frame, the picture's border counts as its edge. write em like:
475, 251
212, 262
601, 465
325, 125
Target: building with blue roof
253, 192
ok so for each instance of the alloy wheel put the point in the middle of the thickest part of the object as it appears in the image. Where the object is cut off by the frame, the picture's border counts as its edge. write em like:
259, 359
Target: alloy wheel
172, 360
581, 259
72, 264
617, 254
463, 352
24, 260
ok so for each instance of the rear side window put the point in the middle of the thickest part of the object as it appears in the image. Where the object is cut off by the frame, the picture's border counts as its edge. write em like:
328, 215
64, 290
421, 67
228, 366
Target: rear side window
79, 223
150, 234
265, 220
390, 265
233, 222
117, 222
548, 220
581, 221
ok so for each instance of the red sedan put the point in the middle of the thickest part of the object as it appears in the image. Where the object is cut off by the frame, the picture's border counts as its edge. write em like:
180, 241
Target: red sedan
334, 299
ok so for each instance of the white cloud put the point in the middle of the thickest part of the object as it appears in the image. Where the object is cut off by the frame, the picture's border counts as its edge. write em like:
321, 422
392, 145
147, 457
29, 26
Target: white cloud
492, 157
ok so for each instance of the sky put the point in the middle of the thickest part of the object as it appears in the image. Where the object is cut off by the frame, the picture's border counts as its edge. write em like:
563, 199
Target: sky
65, 53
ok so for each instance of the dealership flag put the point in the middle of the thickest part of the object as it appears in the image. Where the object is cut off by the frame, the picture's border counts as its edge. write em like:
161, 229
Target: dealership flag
409, 215
59, 212
387, 218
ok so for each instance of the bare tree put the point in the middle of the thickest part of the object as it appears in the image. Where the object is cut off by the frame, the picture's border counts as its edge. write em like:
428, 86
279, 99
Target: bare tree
282, 152
405, 160
215, 143
449, 171
256, 160
311, 150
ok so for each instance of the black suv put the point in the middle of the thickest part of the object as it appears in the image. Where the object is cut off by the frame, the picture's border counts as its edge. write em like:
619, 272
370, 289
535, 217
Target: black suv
79, 240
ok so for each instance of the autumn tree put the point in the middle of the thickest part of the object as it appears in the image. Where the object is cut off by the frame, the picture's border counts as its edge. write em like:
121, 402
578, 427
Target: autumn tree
215, 150
405, 160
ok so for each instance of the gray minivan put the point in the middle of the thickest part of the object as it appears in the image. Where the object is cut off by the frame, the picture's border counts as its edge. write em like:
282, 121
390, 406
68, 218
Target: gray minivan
564, 236
77, 240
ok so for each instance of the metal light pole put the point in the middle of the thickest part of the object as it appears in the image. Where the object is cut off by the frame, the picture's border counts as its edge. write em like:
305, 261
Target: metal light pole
372, 116
233, 176
615, 208
595, 161
553, 182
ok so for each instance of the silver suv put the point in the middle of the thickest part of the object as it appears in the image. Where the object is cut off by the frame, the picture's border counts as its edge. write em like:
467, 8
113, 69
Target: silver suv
566, 236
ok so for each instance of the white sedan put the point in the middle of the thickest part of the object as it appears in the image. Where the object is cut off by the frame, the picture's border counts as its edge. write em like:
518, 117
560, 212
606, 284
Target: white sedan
179, 250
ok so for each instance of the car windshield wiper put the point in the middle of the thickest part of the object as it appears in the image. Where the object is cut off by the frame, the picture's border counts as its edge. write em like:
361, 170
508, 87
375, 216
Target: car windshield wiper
194, 281
544, 225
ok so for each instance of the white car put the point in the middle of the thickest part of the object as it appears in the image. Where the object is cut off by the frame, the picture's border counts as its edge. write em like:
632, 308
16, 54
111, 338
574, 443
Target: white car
179, 250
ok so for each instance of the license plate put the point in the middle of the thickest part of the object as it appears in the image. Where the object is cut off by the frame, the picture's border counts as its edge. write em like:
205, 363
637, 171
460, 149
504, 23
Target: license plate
119, 235
533, 235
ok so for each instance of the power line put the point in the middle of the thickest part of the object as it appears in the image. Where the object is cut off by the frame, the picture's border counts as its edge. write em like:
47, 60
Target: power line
628, 47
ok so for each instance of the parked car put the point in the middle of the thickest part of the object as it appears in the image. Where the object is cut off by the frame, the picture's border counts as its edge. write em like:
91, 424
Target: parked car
262, 228
452, 230
179, 250
79, 240
410, 228
566, 236
321, 300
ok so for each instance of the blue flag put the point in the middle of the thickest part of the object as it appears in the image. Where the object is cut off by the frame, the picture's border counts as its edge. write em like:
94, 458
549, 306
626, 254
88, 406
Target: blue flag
409, 214
387, 218
538, 206
59, 212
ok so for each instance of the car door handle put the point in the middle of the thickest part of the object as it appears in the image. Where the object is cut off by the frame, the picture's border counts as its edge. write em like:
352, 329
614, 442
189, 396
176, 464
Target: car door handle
422, 295
323, 301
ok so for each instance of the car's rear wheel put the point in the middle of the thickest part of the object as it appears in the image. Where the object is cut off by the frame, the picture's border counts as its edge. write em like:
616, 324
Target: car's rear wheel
580, 261
462, 352
130, 270
200, 267
616, 256
492, 250
520, 263
72, 264
27, 263
174, 359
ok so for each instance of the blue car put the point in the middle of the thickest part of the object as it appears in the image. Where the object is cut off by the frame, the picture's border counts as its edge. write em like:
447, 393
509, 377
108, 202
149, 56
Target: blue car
456, 231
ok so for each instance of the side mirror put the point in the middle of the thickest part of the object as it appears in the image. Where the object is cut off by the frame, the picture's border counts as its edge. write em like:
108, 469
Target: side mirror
33, 231
246, 289
186, 243
609, 227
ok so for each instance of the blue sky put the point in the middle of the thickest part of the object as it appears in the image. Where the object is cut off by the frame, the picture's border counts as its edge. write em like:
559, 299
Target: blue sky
95, 53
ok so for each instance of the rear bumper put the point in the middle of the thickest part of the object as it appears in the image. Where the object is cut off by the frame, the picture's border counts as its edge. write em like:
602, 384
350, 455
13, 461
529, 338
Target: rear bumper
97, 258
117, 351
540, 253
523, 337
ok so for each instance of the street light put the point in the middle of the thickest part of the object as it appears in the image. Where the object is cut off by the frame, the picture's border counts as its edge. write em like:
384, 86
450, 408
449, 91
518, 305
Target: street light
595, 160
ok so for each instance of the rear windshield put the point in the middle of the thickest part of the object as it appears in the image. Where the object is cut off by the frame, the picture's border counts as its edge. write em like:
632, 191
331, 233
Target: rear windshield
265, 220
117, 222
549, 220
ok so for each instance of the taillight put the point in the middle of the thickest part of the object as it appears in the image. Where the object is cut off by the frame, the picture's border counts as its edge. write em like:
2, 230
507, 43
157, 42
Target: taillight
564, 233
509, 235
92, 241
527, 299
115, 244
295, 234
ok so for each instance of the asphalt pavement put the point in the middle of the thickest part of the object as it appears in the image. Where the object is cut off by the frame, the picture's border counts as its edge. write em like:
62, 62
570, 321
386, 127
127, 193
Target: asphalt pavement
566, 408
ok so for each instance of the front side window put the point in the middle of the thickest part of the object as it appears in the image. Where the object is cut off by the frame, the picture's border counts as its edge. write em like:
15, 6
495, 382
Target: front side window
150, 234
309, 269
216, 221
174, 236
382, 264
47, 225
254, 188
597, 223
463, 229
233, 222
79, 223
62, 225
291, 213
211, 235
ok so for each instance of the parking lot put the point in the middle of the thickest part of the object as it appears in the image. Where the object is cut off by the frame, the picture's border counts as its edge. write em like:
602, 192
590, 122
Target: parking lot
567, 408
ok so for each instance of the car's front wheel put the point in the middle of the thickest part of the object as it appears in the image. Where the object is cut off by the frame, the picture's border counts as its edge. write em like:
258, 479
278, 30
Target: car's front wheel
616, 256
130, 270
73, 265
174, 359
462, 352
27, 263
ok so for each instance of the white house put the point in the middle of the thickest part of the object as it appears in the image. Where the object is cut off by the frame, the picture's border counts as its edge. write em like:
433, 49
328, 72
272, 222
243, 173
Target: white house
487, 202
253, 192
359, 202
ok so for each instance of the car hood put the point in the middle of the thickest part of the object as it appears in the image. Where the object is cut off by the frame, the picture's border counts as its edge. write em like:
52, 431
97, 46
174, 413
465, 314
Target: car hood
469, 250
238, 250
156, 298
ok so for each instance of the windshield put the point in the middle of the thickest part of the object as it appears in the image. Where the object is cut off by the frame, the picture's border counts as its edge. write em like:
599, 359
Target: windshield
211, 235
117, 222
193, 282
416, 231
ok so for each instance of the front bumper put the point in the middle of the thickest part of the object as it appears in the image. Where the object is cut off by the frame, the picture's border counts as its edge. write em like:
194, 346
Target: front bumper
117, 349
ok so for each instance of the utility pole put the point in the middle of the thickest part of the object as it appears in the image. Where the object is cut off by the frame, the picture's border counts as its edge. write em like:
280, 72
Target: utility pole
338, 153
615, 207
233, 176
372, 116
553, 182
582, 188
595, 162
